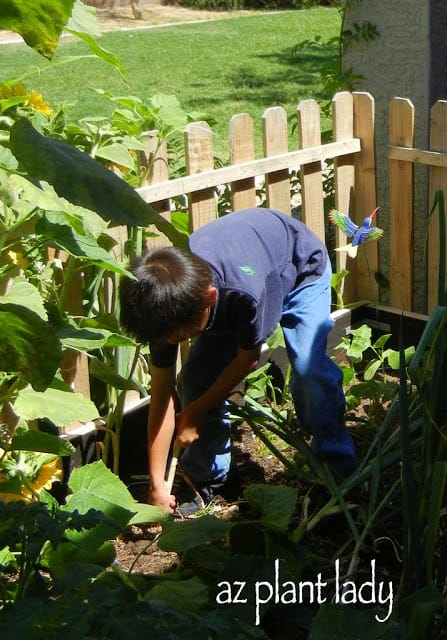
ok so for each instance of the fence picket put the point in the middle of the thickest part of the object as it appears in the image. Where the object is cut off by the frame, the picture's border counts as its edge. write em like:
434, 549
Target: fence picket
275, 140
242, 145
353, 154
365, 191
199, 157
401, 204
344, 183
437, 180
309, 132
74, 365
155, 159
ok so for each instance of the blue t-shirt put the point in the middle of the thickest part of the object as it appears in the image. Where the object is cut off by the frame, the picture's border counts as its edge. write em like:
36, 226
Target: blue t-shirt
258, 256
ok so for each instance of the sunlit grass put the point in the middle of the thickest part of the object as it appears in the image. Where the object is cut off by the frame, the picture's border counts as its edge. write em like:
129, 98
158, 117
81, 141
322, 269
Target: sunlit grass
218, 68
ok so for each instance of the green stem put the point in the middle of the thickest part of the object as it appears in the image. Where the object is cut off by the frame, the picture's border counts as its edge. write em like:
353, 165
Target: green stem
69, 272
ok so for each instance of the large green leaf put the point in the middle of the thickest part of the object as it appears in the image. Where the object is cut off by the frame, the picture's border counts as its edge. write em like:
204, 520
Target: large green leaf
25, 294
83, 181
63, 408
94, 486
190, 595
69, 556
182, 536
83, 338
45, 197
276, 504
39, 22
83, 20
28, 346
58, 232
116, 153
84, 25
32, 440
419, 610
335, 622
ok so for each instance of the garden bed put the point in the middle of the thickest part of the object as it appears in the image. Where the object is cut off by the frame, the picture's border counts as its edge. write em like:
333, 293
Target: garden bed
255, 463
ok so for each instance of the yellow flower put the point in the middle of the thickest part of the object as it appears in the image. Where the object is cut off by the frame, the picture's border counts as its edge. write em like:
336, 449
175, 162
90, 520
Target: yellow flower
32, 99
35, 100
46, 475
9, 91
18, 259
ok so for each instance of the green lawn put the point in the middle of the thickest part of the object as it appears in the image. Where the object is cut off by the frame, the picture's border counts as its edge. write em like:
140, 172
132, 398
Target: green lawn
219, 68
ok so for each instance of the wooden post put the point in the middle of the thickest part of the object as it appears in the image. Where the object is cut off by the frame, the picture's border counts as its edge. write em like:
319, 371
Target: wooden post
199, 157
74, 365
401, 205
275, 142
242, 145
155, 159
365, 192
438, 181
344, 180
309, 132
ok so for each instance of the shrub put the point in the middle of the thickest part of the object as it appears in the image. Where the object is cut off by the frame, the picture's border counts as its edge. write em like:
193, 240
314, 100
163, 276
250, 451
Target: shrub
232, 5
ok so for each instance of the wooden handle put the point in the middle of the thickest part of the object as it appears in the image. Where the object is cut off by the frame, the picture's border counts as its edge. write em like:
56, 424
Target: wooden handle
173, 466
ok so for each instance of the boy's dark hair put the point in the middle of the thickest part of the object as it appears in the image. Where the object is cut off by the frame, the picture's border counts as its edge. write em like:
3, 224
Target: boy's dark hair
169, 294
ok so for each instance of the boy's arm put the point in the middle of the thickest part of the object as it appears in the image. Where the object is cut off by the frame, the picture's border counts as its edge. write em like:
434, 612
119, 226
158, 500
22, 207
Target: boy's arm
188, 419
161, 423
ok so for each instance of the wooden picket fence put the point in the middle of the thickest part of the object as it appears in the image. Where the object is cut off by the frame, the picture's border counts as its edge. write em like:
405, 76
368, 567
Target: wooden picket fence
351, 152
351, 156
403, 158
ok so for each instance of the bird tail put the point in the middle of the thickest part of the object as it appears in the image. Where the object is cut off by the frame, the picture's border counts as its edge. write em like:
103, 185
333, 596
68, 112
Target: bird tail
350, 249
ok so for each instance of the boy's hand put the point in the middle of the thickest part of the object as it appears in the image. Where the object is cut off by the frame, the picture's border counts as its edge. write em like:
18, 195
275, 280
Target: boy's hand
159, 497
186, 429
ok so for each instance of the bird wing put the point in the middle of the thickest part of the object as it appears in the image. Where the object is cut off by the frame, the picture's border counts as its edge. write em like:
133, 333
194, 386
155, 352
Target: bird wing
343, 221
375, 233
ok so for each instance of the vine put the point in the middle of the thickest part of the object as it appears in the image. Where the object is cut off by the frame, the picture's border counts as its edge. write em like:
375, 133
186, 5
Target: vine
334, 75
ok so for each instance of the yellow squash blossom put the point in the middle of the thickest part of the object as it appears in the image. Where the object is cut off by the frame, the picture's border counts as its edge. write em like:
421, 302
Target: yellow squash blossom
11, 90
35, 100
32, 99
18, 259
43, 479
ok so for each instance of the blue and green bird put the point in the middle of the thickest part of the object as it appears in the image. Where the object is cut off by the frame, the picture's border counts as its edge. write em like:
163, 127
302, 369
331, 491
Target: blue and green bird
359, 235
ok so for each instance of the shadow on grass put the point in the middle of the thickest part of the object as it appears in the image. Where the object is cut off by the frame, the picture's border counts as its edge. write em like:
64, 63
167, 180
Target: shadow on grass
297, 76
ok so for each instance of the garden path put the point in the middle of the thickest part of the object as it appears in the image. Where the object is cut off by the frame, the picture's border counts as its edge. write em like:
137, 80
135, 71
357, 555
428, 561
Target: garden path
155, 14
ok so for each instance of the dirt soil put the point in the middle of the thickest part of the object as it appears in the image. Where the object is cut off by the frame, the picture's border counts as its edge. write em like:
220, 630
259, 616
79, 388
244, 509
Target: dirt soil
255, 464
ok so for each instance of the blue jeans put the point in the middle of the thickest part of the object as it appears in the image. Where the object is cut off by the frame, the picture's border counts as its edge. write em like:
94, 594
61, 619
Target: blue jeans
316, 386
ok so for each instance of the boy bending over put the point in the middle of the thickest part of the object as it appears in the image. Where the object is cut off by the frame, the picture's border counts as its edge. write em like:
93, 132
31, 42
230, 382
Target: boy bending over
245, 272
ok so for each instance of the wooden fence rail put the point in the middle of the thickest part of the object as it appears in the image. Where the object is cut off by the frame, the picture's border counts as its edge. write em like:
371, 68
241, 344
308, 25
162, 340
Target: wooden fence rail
351, 152
351, 157
403, 158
